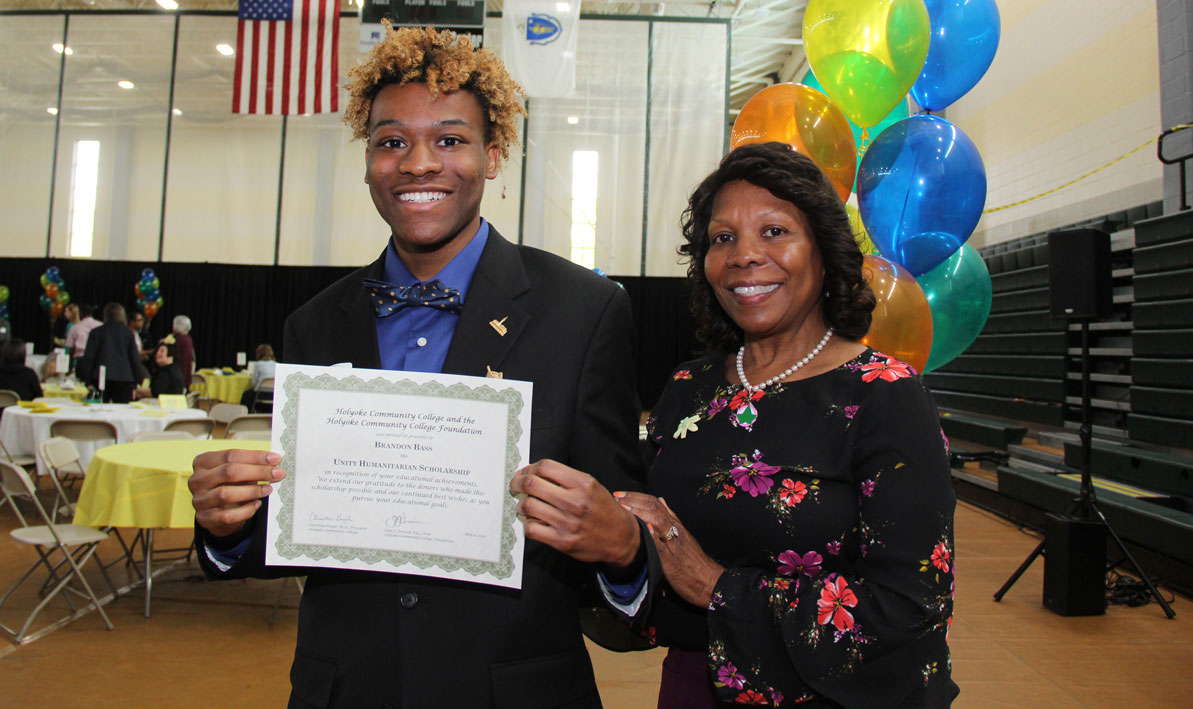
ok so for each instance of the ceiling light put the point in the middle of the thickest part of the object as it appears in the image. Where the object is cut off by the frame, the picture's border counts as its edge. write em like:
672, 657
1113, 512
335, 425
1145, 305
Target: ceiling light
58, 47
125, 84
168, 4
573, 120
562, 7
225, 49
177, 112
52, 111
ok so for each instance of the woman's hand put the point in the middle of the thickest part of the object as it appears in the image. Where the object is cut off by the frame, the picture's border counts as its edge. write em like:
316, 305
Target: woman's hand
691, 573
571, 512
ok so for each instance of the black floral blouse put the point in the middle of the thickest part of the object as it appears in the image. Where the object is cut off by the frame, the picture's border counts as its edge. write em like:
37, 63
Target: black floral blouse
829, 502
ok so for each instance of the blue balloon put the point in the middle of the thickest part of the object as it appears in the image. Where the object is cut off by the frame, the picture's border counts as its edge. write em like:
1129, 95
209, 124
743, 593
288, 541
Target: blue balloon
147, 273
964, 39
921, 189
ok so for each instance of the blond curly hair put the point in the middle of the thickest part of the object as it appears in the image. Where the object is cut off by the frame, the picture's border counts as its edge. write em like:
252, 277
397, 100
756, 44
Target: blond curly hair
445, 63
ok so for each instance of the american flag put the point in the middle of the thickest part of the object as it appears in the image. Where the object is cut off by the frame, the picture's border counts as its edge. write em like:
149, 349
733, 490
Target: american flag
287, 57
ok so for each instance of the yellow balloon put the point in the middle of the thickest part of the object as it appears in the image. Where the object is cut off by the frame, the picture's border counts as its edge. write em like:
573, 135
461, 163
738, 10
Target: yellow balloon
867, 54
902, 323
805, 119
860, 235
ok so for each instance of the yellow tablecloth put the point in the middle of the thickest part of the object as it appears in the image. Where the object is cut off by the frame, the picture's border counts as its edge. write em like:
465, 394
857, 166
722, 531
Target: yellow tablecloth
224, 387
56, 392
145, 484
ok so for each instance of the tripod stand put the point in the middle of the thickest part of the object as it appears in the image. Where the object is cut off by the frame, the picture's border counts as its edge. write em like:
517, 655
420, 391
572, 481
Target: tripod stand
1085, 506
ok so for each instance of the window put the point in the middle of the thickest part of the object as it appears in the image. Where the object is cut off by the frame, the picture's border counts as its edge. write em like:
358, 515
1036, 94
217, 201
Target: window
584, 205
84, 179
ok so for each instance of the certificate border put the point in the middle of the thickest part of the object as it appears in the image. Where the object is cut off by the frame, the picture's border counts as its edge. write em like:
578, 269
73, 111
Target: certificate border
285, 546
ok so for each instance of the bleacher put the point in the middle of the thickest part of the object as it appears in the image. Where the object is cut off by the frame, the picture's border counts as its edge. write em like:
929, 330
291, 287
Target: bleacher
1016, 390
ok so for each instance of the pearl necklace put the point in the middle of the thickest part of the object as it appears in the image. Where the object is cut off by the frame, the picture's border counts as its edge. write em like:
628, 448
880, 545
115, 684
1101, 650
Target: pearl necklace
741, 370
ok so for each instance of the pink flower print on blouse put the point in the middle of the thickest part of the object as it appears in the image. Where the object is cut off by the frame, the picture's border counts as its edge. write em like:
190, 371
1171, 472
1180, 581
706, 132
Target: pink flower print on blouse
792, 492
792, 564
941, 557
716, 406
835, 597
889, 370
850, 411
752, 475
682, 374
728, 675
867, 488
833, 548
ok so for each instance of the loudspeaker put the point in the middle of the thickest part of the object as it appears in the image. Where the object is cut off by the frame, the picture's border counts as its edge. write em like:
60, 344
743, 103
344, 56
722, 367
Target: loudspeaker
1079, 274
1074, 566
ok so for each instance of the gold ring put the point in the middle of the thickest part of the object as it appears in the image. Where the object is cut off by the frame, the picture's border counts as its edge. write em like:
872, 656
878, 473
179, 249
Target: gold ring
672, 533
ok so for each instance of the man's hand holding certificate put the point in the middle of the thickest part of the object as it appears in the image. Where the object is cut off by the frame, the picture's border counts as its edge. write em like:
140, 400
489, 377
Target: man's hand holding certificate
398, 471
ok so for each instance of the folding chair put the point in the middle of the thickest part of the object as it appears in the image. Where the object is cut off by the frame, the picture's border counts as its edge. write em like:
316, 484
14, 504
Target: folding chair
85, 430
62, 459
197, 428
202, 400
224, 413
140, 436
12, 489
249, 422
76, 545
251, 435
8, 397
25, 461
263, 400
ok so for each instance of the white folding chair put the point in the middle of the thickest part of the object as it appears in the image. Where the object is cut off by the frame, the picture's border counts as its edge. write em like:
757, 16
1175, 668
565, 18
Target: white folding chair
12, 489
75, 545
202, 399
249, 422
141, 436
197, 428
25, 461
251, 435
224, 413
62, 459
8, 397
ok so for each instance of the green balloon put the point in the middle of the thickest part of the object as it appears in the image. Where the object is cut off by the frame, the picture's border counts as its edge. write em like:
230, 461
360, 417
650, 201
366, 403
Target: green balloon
156, 282
959, 293
862, 137
45, 280
3, 293
63, 297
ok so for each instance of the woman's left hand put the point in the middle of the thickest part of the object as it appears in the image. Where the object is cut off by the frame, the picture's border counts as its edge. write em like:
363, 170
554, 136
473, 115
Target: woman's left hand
691, 573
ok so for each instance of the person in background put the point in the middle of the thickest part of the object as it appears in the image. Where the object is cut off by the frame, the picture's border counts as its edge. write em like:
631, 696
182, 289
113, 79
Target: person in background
111, 345
63, 325
186, 349
166, 376
14, 375
263, 368
136, 323
76, 339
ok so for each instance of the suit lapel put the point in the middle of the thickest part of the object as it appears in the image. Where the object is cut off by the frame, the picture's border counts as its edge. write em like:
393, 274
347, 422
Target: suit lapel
500, 279
359, 337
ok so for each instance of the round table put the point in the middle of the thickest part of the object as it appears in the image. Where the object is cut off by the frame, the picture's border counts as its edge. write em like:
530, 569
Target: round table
53, 391
227, 388
21, 429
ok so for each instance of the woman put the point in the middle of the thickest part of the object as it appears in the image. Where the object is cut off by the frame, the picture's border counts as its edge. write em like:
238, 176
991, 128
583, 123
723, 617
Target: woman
166, 376
14, 375
800, 497
263, 368
186, 348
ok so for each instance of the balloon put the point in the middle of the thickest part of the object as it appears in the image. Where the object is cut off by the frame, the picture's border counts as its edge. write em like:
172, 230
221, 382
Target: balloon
160, 300
807, 121
44, 301
863, 136
44, 280
866, 53
902, 322
52, 290
150, 309
52, 272
63, 297
921, 190
156, 283
147, 273
860, 235
964, 39
137, 289
56, 309
3, 293
958, 293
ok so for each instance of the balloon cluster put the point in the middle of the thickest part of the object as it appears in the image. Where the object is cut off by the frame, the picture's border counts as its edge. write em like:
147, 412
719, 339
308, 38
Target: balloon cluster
3, 302
55, 297
149, 296
920, 181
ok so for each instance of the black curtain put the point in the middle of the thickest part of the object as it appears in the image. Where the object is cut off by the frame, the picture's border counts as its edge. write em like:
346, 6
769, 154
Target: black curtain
235, 308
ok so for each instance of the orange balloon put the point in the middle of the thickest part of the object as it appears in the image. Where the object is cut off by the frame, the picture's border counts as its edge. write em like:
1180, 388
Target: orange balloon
902, 321
805, 119
52, 290
150, 309
56, 309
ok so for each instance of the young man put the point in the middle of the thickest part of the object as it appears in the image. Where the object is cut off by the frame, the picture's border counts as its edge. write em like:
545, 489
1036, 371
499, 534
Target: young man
437, 117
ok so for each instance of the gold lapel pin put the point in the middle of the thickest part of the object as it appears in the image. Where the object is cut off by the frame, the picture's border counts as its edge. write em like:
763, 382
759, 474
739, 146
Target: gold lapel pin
490, 373
498, 326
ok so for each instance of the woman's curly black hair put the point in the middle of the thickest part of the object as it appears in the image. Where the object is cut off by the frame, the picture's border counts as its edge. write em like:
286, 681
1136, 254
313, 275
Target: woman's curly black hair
793, 177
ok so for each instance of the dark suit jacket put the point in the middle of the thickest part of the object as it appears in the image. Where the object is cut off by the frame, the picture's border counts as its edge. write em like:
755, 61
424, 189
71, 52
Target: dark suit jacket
377, 639
111, 345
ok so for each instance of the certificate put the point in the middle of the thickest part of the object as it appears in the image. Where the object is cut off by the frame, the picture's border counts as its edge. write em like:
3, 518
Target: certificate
402, 472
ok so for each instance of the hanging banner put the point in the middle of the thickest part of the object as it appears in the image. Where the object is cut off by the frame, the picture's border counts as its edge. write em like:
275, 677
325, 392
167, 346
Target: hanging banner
539, 40
466, 17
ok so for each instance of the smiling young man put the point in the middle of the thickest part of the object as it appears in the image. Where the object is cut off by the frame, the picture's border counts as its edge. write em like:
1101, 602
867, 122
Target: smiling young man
438, 117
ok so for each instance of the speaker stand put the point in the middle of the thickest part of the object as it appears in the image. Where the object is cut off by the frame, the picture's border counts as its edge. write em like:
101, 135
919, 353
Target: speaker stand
1085, 506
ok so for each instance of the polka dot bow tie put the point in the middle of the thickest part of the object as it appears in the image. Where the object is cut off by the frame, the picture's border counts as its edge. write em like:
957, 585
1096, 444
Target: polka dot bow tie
389, 298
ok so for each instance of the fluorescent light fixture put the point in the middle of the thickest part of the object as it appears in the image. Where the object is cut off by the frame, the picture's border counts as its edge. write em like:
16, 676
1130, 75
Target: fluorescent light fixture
83, 184
125, 84
177, 112
562, 7
58, 47
225, 49
52, 111
573, 120
168, 4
